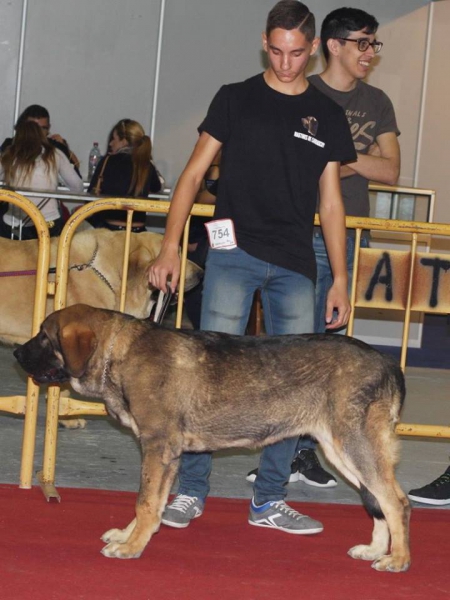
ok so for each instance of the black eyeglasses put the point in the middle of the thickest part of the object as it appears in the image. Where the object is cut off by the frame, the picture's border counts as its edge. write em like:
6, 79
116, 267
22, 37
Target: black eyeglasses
363, 44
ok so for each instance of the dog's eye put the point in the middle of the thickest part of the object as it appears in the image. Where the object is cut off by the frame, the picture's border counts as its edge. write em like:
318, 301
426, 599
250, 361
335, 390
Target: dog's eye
44, 340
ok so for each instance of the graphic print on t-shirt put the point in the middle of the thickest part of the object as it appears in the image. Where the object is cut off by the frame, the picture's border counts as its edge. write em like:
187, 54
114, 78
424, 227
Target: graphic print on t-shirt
361, 129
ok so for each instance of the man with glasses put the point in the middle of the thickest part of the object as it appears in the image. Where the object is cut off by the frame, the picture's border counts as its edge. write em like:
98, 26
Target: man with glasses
349, 46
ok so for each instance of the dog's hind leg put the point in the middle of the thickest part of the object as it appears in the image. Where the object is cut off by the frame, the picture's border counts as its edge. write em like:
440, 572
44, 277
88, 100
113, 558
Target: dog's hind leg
379, 545
380, 535
370, 465
386, 503
396, 508
158, 472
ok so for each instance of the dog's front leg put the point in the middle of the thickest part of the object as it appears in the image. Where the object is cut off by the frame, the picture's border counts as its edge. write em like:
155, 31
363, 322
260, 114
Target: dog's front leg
157, 476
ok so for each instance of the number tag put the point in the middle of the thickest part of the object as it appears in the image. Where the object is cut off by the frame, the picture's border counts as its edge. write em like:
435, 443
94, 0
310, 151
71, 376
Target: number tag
221, 234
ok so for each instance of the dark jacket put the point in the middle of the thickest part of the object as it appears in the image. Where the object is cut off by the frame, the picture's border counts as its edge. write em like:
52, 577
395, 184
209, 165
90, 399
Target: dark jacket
116, 180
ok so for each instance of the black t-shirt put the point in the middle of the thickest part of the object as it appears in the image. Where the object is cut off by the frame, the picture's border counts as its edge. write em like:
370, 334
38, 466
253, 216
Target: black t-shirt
275, 148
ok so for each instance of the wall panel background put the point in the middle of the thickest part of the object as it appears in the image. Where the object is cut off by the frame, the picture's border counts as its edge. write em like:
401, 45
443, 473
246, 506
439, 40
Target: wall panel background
92, 62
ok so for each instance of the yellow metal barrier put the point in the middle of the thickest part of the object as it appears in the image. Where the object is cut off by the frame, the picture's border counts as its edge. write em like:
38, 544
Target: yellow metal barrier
57, 407
414, 286
28, 405
71, 407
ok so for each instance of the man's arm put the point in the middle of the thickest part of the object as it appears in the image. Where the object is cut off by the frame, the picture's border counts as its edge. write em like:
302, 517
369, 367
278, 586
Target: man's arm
382, 164
168, 262
332, 220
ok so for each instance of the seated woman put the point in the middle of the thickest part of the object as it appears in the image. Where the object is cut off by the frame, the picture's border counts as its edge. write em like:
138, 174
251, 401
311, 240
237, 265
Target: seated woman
31, 161
127, 170
40, 115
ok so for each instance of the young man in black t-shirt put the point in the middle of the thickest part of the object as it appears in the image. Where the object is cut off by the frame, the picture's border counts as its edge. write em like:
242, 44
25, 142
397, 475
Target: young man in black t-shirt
281, 141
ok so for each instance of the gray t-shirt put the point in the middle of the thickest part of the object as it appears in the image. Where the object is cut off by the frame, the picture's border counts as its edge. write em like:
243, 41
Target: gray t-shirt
370, 113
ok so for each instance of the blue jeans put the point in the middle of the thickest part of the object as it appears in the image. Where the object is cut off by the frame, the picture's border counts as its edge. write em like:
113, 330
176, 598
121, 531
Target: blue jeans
231, 279
323, 284
325, 275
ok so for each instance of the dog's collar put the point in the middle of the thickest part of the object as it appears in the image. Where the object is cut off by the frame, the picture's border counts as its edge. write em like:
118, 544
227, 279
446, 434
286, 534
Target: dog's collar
82, 267
90, 265
108, 358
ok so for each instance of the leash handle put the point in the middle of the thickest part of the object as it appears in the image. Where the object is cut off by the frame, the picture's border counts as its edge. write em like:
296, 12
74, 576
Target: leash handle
162, 305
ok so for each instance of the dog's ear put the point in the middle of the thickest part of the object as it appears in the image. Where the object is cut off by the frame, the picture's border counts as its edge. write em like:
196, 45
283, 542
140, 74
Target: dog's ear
78, 343
139, 262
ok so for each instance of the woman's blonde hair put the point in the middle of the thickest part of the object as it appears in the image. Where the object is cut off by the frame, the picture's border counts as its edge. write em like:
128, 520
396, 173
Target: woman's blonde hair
141, 152
30, 143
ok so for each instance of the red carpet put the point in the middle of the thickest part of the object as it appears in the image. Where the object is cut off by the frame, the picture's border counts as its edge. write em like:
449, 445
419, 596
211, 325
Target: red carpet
52, 552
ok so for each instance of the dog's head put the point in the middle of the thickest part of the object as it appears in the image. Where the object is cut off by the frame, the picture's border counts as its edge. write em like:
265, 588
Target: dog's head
63, 347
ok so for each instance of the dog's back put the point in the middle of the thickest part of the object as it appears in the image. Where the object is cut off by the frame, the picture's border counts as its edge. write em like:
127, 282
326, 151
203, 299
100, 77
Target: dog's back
314, 380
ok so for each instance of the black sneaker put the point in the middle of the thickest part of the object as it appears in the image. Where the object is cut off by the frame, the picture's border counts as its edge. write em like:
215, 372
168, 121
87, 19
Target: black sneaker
251, 475
311, 471
437, 492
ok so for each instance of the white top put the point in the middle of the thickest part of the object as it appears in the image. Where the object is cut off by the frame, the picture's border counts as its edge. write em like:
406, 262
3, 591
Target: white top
42, 178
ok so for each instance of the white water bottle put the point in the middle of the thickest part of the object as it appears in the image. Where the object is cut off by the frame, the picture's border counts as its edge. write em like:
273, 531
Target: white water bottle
94, 159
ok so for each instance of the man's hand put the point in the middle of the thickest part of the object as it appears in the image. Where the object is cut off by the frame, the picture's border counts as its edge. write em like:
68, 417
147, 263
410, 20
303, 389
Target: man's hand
337, 301
58, 138
165, 268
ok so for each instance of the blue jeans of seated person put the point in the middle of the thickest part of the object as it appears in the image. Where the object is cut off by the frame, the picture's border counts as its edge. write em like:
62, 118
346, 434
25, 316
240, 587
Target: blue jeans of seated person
324, 283
231, 279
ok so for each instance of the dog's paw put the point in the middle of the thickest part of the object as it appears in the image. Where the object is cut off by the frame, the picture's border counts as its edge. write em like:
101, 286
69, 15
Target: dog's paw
119, 535
73, 423
392, 564
116, 550
365, 552
115, 535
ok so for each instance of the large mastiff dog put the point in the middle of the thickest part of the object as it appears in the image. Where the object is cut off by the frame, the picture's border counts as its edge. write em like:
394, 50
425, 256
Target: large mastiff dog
95, 276
195, 391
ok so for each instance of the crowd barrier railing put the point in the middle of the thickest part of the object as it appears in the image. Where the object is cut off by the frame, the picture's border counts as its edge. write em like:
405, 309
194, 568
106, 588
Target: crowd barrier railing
415, 271
28, 405
57, 406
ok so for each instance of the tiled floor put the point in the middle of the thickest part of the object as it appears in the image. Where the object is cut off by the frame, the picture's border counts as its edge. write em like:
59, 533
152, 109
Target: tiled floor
105, 456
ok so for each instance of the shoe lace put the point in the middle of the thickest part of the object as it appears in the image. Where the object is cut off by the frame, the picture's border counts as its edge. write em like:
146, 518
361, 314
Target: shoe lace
183, 502
289, 511
442, 480
309, 458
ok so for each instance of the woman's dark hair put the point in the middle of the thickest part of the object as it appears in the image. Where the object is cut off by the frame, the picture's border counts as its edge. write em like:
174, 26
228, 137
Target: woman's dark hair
19, 159
291, 14
342, 21
35, 111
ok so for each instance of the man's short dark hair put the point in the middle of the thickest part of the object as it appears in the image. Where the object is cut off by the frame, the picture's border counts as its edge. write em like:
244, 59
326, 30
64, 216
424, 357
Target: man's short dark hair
342, 21
34, 111
291, 14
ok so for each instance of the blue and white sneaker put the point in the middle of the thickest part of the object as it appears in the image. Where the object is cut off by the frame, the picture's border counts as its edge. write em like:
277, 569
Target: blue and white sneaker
278, 515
